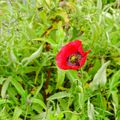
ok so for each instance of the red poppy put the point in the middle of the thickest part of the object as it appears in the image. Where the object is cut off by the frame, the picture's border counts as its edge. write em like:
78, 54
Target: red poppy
71, 56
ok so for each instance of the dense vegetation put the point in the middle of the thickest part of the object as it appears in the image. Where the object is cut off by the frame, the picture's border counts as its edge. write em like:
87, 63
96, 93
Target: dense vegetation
32, 87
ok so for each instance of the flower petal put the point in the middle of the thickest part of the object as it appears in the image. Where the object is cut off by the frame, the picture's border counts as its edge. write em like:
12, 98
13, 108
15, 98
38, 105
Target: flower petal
68, 50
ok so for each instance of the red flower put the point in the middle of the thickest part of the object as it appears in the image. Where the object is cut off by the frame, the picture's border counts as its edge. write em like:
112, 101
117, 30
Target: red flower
71, 56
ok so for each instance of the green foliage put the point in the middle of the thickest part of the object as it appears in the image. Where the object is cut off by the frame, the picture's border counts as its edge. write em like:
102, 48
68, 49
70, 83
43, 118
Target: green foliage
32, 86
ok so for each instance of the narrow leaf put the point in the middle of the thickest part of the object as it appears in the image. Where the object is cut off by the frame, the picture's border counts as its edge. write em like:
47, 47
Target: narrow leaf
60, 78
100, 77
90, 111
4, 88
40, 102
99, 4
115, 81
13, 57
18, 86
4, 101
36, 54
72, 75
59, 95
17, 113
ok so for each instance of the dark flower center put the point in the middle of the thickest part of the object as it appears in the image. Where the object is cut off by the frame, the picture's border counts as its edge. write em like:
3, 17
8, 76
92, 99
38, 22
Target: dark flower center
74, 59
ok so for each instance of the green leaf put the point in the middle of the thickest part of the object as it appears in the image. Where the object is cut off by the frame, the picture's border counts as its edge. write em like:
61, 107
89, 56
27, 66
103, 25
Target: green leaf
60, 34
4, 101
4, 88
74, 117
114, 81
39, 87
90, 111
40, 102
36, 54
99, 4
18, 86
115, 101
17, 113
13, 57
63, 14
72, 75
12, 94
60, 78
100, 77
59, 95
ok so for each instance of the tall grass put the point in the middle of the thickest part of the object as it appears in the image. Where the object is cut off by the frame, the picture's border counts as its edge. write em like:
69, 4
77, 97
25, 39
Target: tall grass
32, 87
